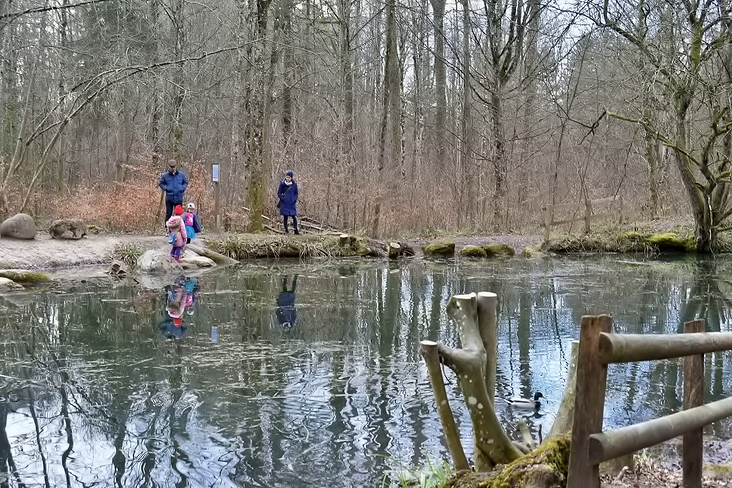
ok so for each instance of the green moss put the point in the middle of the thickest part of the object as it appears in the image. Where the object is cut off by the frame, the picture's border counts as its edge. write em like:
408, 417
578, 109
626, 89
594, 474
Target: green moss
670, 242
23, 276
549, 462
532, 252
439, 248
473, 252
546, 466
717, 470
499, 250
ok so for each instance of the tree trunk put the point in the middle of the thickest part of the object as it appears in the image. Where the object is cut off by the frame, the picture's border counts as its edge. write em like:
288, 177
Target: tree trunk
466, 173
491, 444
438, 12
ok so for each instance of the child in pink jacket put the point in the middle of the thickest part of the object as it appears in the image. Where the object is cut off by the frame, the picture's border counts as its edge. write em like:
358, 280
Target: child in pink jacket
177, 232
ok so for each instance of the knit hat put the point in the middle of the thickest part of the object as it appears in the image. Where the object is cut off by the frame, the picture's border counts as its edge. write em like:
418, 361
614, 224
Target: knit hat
192, 205
178, 210
177, 321
290, 174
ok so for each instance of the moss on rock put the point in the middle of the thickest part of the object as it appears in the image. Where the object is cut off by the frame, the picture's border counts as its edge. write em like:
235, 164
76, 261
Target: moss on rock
470, 251
499, 250
546, 466
670, 242
439, 248
24, 276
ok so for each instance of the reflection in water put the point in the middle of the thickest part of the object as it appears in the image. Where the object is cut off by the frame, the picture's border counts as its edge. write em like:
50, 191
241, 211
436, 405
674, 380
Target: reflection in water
286, 312
88, 396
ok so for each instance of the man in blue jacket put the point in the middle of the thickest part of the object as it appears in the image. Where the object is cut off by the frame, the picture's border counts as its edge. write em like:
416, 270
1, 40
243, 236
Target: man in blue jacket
174, 184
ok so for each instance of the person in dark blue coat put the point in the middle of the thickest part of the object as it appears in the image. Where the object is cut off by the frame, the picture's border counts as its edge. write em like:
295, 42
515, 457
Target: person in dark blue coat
286, 311
174, 184
287, 194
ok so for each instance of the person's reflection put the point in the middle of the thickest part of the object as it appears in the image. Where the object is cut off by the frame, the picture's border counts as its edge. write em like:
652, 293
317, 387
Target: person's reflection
286, 311
173, 326
191, 288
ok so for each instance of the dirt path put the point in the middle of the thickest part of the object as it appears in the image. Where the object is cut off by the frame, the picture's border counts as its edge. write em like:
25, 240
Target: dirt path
45, 253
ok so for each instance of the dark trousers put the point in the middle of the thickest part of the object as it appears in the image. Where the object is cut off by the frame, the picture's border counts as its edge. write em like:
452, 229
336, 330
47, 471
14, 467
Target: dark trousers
169, 206
294, 223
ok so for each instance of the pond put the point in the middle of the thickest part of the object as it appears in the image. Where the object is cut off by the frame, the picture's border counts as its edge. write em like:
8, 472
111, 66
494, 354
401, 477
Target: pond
288, 374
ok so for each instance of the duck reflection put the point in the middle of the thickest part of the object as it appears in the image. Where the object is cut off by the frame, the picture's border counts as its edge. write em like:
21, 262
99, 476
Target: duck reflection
173, 327
286, 311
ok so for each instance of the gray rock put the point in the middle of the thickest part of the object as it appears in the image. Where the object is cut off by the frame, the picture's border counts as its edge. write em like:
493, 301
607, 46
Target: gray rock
68, 229
6, 284
158, 261
19, 226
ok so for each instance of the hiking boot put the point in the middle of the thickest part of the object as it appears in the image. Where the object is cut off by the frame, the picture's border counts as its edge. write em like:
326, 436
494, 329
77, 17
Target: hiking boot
297, 232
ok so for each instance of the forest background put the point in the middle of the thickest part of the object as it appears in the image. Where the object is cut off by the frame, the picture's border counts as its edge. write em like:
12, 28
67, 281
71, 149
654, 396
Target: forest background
397, 116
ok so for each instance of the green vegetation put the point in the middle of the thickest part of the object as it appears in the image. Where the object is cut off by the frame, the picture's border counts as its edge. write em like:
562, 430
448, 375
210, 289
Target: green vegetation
499, 250
623, 242
439, 248
128, 253
23, 276
545, 466
429, 476
473, 252
252, 246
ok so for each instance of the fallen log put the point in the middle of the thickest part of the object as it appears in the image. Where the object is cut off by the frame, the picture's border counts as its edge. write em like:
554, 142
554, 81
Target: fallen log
212, 255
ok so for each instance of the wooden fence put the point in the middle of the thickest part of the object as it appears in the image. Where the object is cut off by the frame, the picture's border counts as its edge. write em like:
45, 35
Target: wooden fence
591, 206
598, 348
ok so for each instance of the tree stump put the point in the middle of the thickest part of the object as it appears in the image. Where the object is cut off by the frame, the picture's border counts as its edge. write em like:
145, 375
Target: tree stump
394, 250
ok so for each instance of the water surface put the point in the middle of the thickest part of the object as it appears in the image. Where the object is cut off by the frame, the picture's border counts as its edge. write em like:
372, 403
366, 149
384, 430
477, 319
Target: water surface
288, 374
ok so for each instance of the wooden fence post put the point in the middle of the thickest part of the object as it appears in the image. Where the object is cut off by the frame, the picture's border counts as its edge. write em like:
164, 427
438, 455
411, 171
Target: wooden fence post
589, 403
692, 450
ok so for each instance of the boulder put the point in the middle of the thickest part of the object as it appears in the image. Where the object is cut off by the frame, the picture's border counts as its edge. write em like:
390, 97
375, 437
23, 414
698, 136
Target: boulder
158, 261
67, 229
473, 252
6, 284
439, 248
19, 226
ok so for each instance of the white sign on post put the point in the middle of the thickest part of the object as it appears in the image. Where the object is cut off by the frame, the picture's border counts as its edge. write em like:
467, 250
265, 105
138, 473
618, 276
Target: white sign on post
215, 172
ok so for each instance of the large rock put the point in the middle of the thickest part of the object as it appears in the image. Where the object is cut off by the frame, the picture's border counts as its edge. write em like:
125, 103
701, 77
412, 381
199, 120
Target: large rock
158, 261
20, 226
6, 284
68, 229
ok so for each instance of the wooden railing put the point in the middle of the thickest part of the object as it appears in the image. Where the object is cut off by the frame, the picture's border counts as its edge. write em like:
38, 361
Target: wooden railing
598, 348
611, 204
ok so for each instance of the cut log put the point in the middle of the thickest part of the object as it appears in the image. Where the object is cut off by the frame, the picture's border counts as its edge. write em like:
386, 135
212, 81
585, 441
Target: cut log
394, 250
343, 240
491, 444
212, 255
